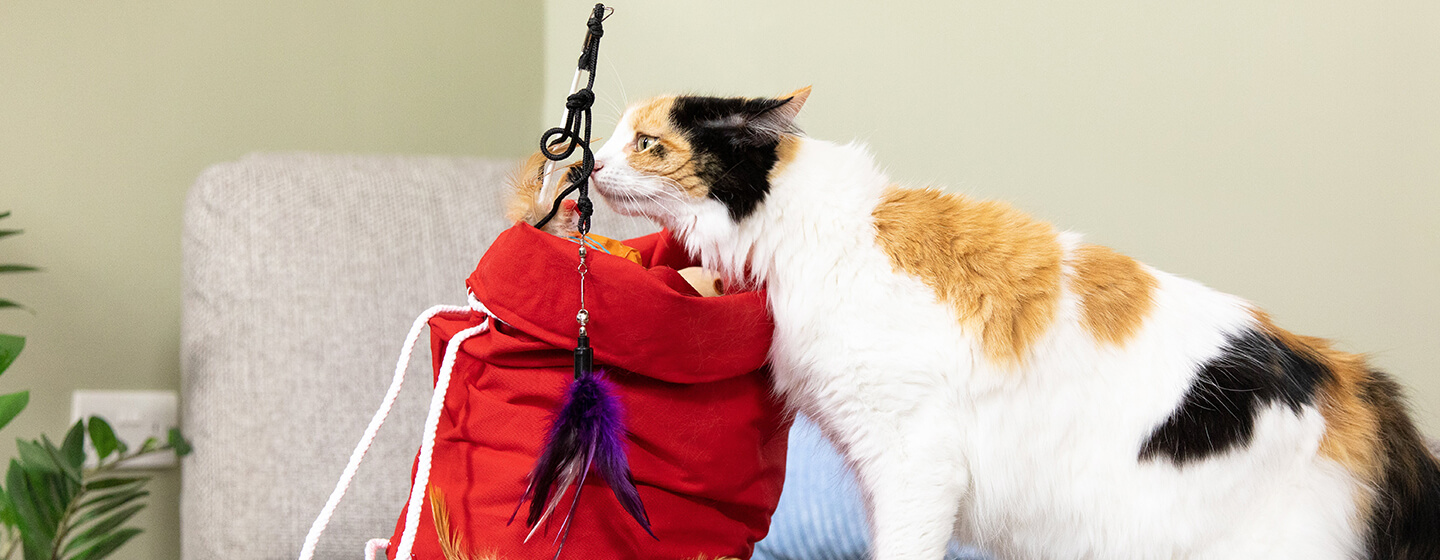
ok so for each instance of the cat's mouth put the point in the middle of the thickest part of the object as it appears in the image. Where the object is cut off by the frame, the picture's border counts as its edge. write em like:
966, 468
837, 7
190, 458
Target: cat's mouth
608, 191
619, 199
600, 187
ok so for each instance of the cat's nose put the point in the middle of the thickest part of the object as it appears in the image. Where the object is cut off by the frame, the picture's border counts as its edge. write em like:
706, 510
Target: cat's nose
598, 166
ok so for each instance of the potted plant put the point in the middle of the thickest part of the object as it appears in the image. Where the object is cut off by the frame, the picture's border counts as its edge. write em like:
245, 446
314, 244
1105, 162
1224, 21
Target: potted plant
53, 506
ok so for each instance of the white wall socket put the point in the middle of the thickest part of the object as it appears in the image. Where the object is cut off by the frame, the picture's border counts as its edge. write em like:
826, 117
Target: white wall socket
135, 416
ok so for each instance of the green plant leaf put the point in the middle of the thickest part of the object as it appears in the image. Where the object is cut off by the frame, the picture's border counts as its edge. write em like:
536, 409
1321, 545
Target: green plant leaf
17, 268
36, 551
10, 232
42, 497
7, 304
10, 347
12, 405
73, 450
45, 491
100, 529
102, 436
8, 515
17, 488
107, 483
5, 214
150, 445
112, 494
35, 459
107, 545
71, 472
179, 443
96, 507
9, 518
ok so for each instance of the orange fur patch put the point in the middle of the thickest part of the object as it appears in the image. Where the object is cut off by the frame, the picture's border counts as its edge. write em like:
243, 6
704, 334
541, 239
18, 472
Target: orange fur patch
1351, 423
524, 187
785, 152
652, 116
997, 268
1116, 293
673, 158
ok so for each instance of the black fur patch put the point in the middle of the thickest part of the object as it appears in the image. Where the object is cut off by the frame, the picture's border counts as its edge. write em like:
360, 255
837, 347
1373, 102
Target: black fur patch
1218, 412
1404, 523
734, 147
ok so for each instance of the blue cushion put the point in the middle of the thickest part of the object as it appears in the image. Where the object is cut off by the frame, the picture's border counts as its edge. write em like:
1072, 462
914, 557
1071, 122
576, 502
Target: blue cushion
820, 516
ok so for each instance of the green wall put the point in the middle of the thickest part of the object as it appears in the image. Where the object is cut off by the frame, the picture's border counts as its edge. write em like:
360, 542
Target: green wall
109, 110
1284, 151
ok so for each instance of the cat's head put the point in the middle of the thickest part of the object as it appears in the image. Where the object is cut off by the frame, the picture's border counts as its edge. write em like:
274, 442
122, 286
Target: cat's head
692, 162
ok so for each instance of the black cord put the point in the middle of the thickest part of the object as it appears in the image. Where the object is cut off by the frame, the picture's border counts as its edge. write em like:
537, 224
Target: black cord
575, 134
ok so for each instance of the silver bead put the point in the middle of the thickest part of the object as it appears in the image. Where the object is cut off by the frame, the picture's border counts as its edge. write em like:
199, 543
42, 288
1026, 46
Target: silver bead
583, 317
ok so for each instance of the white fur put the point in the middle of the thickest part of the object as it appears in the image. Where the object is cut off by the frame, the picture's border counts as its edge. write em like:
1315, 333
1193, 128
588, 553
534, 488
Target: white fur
1034, 463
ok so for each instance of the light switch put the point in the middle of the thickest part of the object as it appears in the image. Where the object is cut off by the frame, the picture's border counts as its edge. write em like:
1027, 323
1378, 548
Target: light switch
135, 416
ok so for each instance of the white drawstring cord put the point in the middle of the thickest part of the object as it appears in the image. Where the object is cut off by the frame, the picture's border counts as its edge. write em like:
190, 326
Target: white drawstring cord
374, 546
307, 552
477, 306
427, 448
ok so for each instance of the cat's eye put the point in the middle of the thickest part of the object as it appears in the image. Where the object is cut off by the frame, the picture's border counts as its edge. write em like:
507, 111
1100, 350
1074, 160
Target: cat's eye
643, 142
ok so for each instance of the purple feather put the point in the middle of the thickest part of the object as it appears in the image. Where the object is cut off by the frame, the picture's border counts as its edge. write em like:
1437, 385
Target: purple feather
587, 433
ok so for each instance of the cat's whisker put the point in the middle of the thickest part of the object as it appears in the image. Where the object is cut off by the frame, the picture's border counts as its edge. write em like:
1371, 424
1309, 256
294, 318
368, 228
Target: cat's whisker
619, 81
613, 112
650, 195
636, 187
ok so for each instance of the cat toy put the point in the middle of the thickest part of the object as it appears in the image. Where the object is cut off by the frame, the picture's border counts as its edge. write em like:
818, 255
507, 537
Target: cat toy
587, 432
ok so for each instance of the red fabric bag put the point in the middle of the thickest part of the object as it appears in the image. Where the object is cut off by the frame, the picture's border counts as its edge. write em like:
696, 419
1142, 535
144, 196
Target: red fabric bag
707, 438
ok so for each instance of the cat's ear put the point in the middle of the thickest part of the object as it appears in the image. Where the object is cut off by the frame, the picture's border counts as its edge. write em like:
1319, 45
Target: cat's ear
780, 118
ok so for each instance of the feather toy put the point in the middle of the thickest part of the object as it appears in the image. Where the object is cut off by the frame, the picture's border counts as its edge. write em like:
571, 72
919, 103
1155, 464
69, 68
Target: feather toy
587, 434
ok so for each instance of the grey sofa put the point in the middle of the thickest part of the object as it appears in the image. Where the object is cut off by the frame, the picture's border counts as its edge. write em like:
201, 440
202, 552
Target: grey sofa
302, 274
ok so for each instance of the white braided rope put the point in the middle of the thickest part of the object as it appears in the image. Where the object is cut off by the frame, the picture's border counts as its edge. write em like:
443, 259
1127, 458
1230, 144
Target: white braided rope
427, 447
307, 552
477, 306
374, 546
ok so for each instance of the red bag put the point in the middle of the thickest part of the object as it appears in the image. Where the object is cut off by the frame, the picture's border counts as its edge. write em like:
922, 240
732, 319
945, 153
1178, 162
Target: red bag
707, 438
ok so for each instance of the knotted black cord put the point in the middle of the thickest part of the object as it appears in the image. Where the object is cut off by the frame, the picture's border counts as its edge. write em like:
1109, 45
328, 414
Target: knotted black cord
576, 131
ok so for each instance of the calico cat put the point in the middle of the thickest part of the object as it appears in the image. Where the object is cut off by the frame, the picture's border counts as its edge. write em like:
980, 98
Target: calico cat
994, 379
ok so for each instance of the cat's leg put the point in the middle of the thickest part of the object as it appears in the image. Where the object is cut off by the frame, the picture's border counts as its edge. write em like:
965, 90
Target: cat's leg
914, 485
